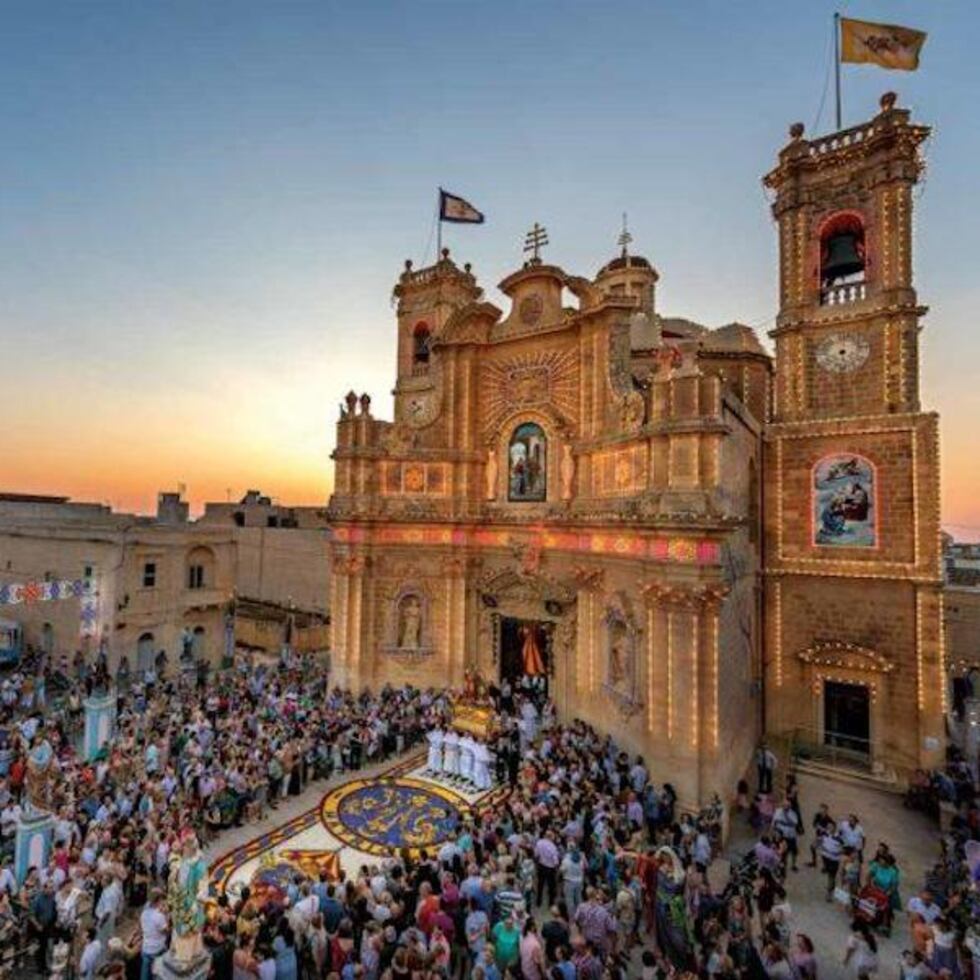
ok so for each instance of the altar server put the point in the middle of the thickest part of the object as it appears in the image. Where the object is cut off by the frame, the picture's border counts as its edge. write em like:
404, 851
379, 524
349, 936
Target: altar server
466, 747
450, 754
481, 765
434, 739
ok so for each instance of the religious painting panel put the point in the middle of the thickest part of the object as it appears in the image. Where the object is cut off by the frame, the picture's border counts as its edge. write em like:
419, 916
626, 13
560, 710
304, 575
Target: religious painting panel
527, 464
843, 502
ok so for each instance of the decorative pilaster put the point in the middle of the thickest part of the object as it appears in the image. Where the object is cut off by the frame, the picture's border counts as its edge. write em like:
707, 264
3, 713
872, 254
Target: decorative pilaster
588, 581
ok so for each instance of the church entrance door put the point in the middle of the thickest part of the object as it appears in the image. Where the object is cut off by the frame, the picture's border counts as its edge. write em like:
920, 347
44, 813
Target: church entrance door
524, 651
847, 717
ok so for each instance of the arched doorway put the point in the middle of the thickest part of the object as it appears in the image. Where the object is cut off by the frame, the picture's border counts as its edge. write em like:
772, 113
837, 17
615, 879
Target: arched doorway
144, 652
527, 630
197, 643
47, 639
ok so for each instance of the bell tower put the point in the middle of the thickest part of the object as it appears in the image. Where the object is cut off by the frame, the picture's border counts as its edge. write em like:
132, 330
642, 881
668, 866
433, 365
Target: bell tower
847, 330
853, 577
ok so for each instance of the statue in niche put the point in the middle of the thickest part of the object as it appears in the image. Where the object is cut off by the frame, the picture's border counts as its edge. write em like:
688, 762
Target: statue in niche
491, 474
567, 472
619, 654
410, 623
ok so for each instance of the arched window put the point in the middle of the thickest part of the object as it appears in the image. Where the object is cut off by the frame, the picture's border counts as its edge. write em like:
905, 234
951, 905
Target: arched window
844, 502
842, 250
200, 568
421, 338
527, 462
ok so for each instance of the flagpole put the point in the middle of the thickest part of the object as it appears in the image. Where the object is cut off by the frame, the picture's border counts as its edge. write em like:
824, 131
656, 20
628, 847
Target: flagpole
438, 224
837, 63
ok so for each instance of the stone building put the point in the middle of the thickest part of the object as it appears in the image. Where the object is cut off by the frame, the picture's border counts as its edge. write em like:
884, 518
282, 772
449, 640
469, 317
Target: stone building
157, 583
653, 516
252, 576
282, 572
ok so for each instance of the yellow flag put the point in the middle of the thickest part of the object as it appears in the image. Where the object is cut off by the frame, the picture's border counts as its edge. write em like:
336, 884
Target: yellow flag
880, 44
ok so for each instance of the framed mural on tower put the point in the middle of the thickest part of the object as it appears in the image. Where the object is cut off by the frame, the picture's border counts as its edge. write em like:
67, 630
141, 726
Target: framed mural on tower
844, 502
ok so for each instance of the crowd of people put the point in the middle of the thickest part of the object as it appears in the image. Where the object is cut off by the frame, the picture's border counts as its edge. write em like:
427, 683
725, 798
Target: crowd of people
585, 870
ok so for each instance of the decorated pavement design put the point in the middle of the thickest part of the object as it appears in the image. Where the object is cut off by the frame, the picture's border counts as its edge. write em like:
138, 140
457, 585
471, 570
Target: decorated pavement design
382, 816
355, 821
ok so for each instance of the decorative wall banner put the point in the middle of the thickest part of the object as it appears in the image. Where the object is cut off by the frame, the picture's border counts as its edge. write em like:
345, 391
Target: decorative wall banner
29, 592
692, 551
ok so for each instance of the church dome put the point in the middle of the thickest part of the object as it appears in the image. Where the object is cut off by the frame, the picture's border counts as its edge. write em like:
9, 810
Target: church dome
626, 262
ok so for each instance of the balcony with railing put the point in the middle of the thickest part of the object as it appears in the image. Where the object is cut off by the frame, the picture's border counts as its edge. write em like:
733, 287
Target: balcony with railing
840, 294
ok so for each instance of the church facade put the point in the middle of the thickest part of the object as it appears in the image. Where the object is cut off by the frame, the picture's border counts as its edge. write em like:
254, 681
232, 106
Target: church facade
656, 520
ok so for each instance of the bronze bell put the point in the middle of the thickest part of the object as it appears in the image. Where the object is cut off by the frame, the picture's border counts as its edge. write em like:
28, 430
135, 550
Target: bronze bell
843, 257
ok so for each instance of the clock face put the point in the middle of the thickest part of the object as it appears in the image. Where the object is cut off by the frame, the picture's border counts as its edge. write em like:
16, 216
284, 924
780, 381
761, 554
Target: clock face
841, 353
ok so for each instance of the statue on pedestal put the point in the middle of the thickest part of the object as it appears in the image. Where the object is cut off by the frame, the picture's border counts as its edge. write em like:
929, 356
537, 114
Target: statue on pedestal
39, 779
187, 888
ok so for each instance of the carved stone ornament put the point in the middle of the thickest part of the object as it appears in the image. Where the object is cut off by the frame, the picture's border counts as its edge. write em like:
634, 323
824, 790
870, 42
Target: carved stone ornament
530, 309
587, 578
633, 410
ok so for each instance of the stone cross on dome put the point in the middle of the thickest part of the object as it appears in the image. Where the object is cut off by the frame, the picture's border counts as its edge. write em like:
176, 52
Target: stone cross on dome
534, 241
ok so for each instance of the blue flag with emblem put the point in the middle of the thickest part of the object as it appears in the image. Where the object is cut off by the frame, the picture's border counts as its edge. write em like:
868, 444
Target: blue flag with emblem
458, 210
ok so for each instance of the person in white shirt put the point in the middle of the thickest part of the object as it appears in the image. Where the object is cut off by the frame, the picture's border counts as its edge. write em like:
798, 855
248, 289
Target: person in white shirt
88, 965
8, 883
852, 834
923, 905
154, 925
107, 908
434, 738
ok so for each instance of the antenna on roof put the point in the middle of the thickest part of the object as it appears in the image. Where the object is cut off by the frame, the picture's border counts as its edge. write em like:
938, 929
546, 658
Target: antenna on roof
624, 238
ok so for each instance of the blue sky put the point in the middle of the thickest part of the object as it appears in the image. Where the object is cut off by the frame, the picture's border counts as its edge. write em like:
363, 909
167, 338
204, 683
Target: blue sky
204, 206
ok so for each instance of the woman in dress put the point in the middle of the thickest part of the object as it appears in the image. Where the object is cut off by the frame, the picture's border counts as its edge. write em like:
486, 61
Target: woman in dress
883, 874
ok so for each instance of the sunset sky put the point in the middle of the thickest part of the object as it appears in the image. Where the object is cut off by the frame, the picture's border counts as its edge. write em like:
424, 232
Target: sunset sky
204, 207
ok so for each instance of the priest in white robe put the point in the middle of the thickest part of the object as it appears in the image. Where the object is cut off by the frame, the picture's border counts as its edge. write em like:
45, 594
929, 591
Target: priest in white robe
434, 738
450, 754
466, 745
481, 765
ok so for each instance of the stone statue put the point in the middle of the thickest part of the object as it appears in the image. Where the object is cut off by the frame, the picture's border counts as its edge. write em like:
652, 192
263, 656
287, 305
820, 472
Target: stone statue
491, 474
410, 623
619, 655
187, 888
567, 472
